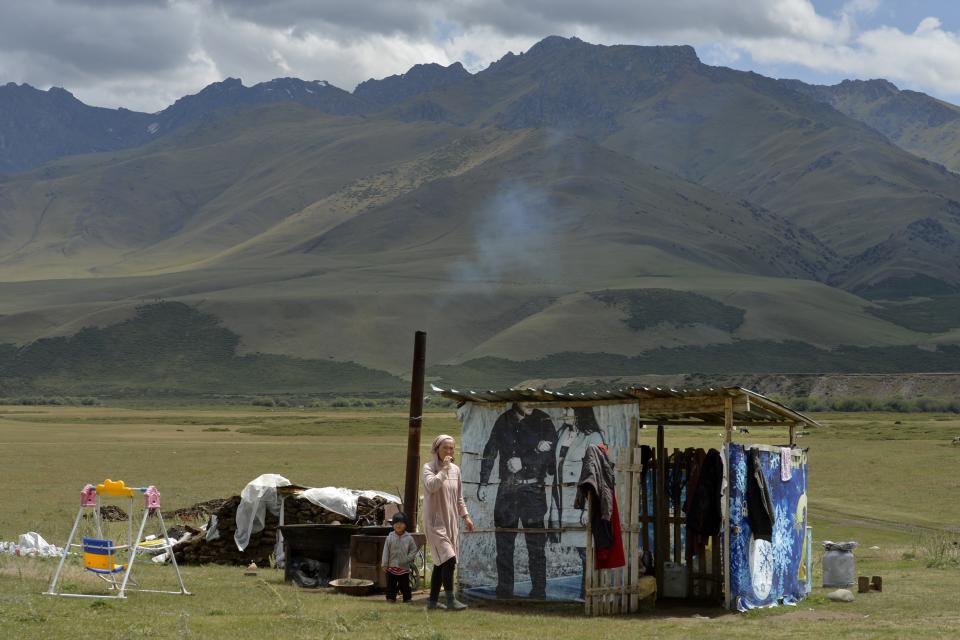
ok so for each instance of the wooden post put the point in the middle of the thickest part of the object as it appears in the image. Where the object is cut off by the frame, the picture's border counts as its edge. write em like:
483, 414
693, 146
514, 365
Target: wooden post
633, 509
676, 510
411, 487
688, 547
588, 570
793, 434
728, 420
661, 544
725, 505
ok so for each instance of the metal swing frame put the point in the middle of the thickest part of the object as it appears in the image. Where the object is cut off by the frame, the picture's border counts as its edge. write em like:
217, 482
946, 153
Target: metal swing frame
90, 499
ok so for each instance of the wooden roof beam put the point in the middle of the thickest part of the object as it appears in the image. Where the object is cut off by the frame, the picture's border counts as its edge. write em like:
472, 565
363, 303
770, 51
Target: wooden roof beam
683, 406
778, 409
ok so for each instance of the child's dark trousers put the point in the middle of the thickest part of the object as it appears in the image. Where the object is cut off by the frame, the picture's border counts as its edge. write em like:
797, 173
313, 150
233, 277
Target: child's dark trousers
395, 582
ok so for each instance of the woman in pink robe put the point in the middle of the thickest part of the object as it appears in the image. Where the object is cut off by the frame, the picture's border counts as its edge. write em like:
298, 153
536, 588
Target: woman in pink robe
443, 506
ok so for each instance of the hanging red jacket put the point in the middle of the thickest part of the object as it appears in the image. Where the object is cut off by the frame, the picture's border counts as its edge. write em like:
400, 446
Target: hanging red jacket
597, 480
612, 556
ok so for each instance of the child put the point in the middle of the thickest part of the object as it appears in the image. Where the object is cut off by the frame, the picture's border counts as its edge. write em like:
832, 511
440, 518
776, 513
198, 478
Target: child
399, 552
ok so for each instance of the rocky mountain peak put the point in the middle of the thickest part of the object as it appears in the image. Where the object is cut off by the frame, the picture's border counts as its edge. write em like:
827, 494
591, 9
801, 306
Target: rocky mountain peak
635, 57
575, 85
433, 70
290, 88
419, 79
553, 44
60, 91
870, 89
27, 90
226, 85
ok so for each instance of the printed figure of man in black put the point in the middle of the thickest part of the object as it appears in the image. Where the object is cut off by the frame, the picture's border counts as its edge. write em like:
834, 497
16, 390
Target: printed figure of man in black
524, 441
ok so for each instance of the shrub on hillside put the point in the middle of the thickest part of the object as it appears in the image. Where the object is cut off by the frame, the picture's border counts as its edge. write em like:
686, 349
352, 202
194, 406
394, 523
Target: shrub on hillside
50, 401
855, 404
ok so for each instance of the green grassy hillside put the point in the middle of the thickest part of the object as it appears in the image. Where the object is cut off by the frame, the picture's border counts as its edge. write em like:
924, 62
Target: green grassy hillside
858, 193
171, 348
921, 124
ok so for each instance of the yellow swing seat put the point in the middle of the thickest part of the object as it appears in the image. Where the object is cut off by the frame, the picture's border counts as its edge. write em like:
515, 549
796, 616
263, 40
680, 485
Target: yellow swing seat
98, 556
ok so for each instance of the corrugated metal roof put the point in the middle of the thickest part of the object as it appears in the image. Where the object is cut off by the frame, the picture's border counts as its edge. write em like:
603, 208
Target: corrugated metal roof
658, 404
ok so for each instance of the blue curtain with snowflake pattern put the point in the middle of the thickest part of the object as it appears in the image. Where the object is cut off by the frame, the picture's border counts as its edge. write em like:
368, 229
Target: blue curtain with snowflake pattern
766, 573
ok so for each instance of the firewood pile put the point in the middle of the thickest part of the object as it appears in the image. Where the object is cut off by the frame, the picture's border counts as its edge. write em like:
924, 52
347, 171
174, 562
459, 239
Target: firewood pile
223, 549
197, 512
110, 513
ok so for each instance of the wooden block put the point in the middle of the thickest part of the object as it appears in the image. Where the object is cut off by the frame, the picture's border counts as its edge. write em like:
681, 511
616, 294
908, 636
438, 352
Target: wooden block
877, 583
863, 584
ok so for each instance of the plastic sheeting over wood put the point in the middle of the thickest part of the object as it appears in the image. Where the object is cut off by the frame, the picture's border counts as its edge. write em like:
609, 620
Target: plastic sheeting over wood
259, 496
244, 528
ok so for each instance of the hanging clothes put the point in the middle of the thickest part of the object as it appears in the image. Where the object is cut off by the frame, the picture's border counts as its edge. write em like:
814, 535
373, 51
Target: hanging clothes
759, 509
786, 464
612, 556
694, 465
646, 458
704, 514
597, 481
676, 478
596, 475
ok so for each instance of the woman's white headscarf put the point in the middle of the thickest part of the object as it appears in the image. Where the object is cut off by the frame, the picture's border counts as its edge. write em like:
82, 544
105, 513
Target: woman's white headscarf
437, 443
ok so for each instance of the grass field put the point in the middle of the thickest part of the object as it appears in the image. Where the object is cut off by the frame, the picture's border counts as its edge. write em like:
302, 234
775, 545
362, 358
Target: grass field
887, 480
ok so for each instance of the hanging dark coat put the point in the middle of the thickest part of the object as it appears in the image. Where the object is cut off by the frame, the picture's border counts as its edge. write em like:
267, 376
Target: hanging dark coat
704, 511
694, 465
759, 505
596, 475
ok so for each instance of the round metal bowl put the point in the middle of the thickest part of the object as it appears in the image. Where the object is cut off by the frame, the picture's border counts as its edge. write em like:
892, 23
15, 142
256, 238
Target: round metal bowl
352, 586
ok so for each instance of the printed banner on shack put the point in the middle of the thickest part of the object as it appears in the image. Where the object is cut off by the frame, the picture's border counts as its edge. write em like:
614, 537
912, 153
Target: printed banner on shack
520, 467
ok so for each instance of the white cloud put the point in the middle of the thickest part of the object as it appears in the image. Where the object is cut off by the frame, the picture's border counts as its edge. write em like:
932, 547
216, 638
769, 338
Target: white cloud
927, 58
927, 25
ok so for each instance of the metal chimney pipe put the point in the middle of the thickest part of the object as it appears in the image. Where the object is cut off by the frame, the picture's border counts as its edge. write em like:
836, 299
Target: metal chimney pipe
412, 483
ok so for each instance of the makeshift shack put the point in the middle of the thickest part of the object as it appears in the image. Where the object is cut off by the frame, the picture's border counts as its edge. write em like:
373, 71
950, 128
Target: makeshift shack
725, 524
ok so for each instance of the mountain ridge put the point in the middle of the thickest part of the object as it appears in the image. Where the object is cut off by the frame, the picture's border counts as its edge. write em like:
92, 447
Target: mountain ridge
123, 128
919, 123
539, 206
39, 126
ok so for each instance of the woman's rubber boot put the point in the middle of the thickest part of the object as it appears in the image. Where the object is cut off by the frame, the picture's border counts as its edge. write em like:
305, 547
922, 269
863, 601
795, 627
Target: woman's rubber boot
453, 604
433, 604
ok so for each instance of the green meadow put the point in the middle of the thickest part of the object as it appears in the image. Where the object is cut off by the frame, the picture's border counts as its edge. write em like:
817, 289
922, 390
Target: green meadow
889, 481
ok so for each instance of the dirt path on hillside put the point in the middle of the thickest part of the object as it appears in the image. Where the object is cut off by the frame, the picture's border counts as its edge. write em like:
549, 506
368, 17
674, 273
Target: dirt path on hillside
866, 522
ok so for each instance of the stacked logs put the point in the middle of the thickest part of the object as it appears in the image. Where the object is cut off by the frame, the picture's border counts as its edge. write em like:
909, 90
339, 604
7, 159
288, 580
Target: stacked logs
223, 549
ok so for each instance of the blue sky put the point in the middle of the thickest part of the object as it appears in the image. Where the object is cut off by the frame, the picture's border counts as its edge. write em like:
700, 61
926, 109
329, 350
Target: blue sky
905, 14
144, 54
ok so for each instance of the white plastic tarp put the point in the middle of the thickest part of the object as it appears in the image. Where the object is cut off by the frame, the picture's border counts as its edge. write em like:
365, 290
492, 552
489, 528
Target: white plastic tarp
30, 544
256, 498
342, 501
